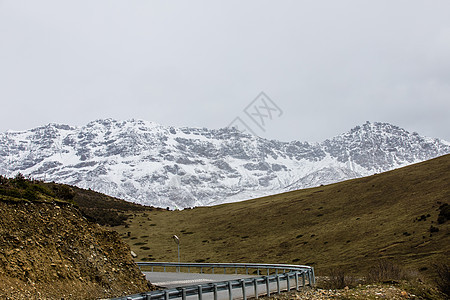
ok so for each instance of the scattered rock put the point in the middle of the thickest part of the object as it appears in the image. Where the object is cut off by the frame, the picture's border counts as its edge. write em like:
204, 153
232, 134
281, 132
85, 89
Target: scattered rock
48, 253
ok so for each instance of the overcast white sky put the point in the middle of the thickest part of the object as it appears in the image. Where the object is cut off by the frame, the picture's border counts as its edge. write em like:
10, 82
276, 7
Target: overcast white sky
328, 65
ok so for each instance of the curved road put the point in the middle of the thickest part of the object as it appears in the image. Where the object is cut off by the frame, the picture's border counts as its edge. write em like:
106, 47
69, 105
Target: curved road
169, 280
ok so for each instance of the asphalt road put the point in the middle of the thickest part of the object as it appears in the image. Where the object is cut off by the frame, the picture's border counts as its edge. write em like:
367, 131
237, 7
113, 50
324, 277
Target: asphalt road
172, 280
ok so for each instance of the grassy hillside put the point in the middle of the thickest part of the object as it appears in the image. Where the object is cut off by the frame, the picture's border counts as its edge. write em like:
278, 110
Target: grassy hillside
353, 224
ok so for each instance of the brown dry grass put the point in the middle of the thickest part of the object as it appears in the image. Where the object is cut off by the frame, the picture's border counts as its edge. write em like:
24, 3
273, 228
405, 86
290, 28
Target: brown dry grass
351, 225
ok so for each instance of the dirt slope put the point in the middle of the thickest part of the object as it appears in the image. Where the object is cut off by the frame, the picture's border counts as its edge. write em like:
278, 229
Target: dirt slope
49, 251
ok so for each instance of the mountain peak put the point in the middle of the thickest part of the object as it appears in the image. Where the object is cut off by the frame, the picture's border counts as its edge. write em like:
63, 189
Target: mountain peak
377, 128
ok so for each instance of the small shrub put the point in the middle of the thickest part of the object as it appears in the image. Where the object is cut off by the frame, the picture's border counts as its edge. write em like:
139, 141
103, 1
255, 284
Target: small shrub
443, 278
3, 180
20, 181
64, 192
103, 216
385, 271
433, 229
444, 213
148, 259
337, 279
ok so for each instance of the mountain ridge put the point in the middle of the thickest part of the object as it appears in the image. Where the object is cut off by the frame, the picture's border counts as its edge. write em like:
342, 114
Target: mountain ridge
165, 166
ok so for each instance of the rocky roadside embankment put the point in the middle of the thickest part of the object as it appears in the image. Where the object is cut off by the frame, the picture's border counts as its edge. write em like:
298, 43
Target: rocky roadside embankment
49, 251
359, 293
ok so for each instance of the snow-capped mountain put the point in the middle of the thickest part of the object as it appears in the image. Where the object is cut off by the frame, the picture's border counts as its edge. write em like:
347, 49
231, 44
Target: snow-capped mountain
163, 166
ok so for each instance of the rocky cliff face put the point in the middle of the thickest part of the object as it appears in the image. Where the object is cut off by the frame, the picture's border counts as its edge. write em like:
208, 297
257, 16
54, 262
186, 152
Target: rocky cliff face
151, 164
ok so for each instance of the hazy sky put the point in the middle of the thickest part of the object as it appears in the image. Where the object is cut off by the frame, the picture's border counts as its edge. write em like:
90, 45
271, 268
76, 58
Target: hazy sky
326, 65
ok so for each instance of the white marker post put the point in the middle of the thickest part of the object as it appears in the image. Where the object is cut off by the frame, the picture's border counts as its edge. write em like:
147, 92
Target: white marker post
177, 240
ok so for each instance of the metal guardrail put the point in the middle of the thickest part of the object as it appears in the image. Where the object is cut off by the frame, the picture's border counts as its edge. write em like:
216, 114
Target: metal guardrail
301, 275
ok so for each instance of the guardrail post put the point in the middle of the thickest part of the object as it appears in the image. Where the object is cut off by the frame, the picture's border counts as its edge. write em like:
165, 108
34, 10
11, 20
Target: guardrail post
183, 293
244, 296
255, 285
268, 286
278, 284
230, 291
303, 279
148, 297
200, 292
296, 280
268, 271
313, 275
201, 270
246, 270
215, 291
166, 295
288, 284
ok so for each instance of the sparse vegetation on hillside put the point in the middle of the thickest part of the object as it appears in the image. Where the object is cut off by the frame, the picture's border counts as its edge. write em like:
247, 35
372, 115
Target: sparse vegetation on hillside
96, 207
20, 188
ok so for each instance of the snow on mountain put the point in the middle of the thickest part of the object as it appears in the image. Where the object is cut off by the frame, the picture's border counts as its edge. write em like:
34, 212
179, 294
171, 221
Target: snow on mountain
163, 166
